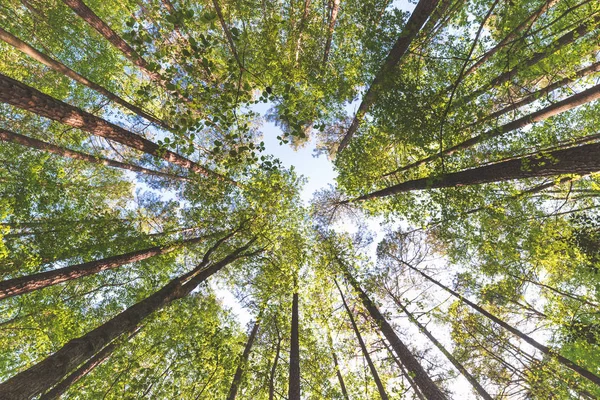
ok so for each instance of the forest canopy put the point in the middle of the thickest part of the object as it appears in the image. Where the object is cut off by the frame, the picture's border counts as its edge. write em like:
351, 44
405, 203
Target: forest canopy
144, 220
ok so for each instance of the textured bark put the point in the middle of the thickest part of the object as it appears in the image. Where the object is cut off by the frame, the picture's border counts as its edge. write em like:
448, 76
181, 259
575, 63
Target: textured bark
294, 378
405, 374
560, 43
76, 155
363, 347
421, 378
63, 69
420, 14
237, 378
45, 374
514, 34
274, 369
544, 349
482, 392
335, 7
29, 99
301, 27
580, 160
567, 104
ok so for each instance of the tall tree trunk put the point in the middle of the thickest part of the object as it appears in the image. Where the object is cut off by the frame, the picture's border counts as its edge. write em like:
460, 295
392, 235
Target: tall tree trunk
57, 391
526, 24
405, 374
421, 378
567, 104
335, 7
363, 347
228, 34
482, 392
29, 99
237, 378
43, 375
560, 43
274, 368
544, 349
336, 364
420, 14
63, 69
12, 137
301, 27
294, 378
580, 160
29, 283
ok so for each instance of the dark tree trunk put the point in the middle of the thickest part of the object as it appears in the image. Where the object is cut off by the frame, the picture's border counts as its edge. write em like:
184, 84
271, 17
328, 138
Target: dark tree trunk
544, 349
29, 99
76, 155
227, 33
63, 69
421, 378
420, 14
29, 283
237, 378
294, 379
45, 374
336, 364
335, 7
274, 368
580, 160
567, 104
482, 392
405, 374
363, 347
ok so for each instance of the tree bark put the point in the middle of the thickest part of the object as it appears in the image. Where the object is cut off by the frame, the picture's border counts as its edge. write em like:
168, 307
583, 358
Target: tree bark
274, 368
63, 69
294, 379
76, 155
482, 392
567, 104
335, 7
43, 375
421, 378
420, 14
29, 99
363, 347
544, 349
228, 34
237, 378
29, 283
580, 160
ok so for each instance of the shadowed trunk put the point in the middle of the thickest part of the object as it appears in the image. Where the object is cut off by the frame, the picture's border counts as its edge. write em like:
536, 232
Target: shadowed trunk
294, 379
335, 7
237, 378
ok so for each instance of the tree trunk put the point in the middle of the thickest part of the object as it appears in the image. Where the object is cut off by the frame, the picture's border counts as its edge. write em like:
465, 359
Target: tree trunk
558, 44
567, 104
338, 372
335, 7
547, 4
63, 69
237, 378
43, 375
274, 368
580, 160
29, 283
76, 155
363, 347
420, 14
405, 374
228, 34
482, 392
29, 99
301, 27
421, 378
294, 379
57, 391
544, 349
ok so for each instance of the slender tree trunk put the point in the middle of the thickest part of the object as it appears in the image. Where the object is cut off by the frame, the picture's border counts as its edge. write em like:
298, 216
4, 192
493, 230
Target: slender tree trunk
274, 368
29, 99
560, 43
63, 69
294, 379
421, 378
237, 378
420, 14
12, 137
228, 34
528, 22
544, 349
335, 7
580, 160
405, 374
29, 283
482, 392
57, 391
302, 25
336, 365
363, 347
567, 104
43, 375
